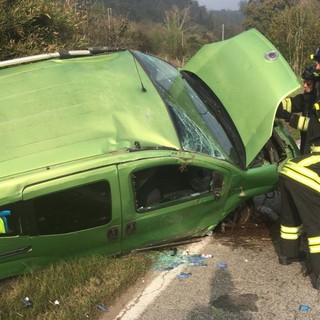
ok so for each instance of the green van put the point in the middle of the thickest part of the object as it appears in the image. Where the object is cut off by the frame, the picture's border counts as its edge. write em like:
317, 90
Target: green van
105, 151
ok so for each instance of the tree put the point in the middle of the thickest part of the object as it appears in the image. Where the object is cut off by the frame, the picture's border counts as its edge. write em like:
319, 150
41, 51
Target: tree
103, 28
259, 13
295, 33
291, 25
177, 24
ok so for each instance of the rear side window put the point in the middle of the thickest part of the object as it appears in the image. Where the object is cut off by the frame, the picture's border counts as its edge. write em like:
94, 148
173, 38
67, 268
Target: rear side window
74, 209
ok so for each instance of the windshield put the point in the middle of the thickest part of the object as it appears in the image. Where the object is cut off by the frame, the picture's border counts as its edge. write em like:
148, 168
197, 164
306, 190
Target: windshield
198, 128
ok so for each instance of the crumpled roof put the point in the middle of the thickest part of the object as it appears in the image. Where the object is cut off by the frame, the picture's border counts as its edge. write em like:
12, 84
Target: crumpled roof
56, 111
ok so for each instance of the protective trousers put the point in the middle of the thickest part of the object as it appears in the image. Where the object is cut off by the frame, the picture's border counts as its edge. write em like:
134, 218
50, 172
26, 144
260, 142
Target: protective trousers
300, 208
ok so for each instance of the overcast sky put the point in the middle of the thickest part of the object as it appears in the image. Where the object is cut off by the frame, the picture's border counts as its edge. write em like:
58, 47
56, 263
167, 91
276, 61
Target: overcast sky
220, 4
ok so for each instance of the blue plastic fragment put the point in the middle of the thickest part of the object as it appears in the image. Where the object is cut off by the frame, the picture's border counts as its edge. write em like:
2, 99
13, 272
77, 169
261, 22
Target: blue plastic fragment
176, 264
198, 264
304, 308
222, 265
166, 268
102, 307
184, 275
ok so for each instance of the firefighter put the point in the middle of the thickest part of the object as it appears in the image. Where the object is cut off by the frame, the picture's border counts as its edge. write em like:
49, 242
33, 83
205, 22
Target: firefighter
300, 210
316, 58
308, 119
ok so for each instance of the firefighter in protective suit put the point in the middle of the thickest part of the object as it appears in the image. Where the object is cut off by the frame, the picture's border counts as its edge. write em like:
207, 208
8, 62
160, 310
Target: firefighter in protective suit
307, 121
300, 209
316, 58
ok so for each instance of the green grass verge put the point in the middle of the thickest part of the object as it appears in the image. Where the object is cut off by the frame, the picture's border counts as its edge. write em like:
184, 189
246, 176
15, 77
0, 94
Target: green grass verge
78, 285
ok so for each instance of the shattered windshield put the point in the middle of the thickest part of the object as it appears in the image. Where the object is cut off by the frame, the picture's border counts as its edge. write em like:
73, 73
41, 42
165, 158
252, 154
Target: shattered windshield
197, 127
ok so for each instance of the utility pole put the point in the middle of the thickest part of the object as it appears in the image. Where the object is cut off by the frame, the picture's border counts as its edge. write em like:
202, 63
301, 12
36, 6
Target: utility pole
109, 14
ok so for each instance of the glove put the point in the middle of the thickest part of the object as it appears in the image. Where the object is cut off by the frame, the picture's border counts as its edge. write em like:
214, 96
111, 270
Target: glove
282, 113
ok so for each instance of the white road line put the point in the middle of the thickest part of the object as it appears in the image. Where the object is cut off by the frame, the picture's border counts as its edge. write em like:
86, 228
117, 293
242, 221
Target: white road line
135, 308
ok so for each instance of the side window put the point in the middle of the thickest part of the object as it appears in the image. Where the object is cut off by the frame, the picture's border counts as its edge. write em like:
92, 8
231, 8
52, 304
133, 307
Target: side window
82, 207
164, 185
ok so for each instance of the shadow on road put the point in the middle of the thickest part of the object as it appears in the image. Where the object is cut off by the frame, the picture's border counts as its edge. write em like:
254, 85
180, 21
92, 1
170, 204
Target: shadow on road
225, 302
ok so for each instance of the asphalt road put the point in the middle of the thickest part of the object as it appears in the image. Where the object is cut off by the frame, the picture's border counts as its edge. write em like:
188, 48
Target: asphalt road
241, 280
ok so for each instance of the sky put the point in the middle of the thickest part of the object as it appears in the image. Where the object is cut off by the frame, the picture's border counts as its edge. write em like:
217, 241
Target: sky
220, 4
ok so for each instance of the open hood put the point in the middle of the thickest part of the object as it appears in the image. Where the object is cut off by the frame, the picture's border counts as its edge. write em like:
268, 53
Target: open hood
250, 77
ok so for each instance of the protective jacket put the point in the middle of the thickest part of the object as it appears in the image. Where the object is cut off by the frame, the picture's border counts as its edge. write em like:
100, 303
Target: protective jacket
300, 206
308, 122
2, 226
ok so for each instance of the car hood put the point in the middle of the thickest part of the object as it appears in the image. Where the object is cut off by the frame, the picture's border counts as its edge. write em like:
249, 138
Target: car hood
250, 77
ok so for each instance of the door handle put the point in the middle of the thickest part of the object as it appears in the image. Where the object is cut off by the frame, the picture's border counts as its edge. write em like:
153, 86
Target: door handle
131, 228
113, 233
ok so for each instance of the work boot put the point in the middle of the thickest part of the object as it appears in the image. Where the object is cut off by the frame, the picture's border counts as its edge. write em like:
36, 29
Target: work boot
288, 260
315, 280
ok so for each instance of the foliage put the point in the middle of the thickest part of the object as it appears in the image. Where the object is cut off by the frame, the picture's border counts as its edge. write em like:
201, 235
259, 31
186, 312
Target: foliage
259, 13
214, 20
295, 32
78, 286
141, 10
178, 28
38, 26
290, 24
174, 29
103, 28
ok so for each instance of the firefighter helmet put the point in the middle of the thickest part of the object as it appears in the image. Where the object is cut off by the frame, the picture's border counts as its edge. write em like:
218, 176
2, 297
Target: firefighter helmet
310, 74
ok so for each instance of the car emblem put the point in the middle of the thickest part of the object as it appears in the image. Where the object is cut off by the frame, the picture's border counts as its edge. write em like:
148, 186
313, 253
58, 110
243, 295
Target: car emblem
271, 56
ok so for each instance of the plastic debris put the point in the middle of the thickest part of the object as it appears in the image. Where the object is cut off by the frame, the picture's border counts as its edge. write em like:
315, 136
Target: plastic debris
197, 260
174, 251
166, 261
198, 264
27, 302
102, 307
183, 275
222, 265
304, 308
55, 302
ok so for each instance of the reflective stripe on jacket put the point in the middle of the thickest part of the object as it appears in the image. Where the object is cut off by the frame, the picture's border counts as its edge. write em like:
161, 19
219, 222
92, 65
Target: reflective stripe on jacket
299, 170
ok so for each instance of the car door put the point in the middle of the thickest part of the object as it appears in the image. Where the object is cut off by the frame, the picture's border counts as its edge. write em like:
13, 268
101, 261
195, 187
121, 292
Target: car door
15, 246
75, 215
14, 249
168, 199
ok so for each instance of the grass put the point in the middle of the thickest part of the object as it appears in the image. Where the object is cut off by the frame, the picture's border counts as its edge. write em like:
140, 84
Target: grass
78, 285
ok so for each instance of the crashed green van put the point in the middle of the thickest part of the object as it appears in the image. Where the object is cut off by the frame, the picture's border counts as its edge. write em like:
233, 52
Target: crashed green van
105, 151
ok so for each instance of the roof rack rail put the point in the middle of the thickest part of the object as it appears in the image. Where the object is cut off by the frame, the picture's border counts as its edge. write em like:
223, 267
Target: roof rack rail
63, 54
